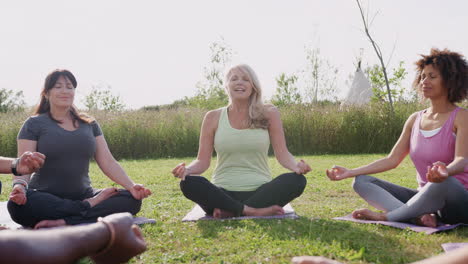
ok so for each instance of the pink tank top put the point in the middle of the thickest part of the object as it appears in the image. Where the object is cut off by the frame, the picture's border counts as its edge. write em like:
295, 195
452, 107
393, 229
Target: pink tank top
440, 147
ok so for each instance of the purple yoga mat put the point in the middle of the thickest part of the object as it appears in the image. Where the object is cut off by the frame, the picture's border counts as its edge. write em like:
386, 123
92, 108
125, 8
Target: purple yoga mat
140, 220
452, 246
197, 213
416, 228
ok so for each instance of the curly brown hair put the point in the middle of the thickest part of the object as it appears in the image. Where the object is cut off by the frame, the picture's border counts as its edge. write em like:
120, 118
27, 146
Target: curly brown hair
453, 68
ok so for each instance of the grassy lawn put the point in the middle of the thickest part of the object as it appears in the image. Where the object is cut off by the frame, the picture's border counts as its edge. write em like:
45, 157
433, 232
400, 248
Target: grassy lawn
275, 241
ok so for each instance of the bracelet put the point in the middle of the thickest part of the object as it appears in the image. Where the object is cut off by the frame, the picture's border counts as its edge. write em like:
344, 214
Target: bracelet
14, 164
20, 181
112, 237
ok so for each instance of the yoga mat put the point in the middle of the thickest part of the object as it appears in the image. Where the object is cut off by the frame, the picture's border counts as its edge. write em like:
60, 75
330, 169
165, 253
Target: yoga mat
197, 213
452, 246
5, 219
416, 228
140, 220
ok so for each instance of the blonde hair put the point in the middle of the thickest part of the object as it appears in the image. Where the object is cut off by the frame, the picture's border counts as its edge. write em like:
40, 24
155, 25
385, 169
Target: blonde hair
257, 118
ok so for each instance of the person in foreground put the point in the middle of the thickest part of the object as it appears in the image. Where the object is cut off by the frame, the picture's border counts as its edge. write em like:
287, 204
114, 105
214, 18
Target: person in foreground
113, 239
241, 134
458, 256
60, 193
437, 141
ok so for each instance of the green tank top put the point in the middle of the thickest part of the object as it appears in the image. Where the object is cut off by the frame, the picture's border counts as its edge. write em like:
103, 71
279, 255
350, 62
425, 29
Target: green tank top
242, 156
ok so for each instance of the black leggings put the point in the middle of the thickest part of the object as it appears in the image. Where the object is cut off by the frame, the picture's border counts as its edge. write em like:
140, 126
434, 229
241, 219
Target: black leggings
45, 206
280, 191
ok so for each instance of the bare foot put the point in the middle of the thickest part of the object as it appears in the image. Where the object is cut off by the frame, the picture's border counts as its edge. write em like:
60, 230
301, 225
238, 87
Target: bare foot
272, 210
366, 214
103, 195
429, 220
219, 213
50, 223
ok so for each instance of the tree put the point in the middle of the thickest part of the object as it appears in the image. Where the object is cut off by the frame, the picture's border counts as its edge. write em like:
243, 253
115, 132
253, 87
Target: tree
378, 82
287, 92
210, 91
378, 51
320, 77
11, 101
101, 98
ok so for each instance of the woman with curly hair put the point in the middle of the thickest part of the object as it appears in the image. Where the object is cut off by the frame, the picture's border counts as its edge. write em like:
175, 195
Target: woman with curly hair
436, 140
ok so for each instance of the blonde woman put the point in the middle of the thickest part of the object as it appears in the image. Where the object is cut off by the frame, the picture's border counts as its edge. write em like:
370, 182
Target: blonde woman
241, 134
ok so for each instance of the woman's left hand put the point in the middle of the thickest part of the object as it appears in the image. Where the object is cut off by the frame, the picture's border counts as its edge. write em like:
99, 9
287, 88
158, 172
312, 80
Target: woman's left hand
302, 167
139, 192
437, 173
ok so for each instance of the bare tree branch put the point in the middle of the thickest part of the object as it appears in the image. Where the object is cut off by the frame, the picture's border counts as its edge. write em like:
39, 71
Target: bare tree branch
377, 51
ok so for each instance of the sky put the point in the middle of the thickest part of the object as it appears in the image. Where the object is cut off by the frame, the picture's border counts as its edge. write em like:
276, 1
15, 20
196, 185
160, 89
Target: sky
153, 52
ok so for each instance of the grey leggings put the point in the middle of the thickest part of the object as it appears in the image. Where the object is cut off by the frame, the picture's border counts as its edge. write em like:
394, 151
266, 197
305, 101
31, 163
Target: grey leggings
449, 199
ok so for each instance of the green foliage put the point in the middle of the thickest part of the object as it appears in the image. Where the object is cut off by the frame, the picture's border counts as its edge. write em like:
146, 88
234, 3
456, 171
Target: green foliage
287, 92
211, 93
101, 98
11, 101
316, 129
152, 134
398, 92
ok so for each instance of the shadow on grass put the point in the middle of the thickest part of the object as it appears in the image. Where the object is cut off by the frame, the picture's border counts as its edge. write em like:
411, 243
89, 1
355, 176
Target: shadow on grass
374, 242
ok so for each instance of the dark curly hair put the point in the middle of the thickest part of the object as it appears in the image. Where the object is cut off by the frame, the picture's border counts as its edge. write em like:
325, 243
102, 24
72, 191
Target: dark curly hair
453, 68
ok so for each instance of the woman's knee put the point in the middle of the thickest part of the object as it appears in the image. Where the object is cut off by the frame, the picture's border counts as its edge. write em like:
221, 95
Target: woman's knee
128, 203
300, 181
449, 184
360, 180
191, 182
20, 215
296, 181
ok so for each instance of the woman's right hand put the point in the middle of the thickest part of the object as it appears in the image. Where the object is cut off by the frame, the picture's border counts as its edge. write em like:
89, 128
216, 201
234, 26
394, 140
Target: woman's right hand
180, 171
18, 194
337, 173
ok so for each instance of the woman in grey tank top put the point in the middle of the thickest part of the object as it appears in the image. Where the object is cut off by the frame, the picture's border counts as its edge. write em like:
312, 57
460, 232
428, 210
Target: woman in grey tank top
60, 192
241, 134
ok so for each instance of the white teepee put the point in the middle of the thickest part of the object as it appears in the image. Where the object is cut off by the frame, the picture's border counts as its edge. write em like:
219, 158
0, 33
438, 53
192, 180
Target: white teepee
360, 91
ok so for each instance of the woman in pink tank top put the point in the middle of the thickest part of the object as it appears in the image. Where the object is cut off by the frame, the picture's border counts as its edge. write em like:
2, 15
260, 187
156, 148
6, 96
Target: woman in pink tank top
437, 141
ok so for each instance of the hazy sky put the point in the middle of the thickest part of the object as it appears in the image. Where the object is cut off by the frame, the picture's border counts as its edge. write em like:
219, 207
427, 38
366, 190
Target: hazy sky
153, 52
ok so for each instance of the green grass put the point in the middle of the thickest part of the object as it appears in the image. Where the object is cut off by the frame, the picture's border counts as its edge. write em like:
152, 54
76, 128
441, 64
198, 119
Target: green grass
275, 241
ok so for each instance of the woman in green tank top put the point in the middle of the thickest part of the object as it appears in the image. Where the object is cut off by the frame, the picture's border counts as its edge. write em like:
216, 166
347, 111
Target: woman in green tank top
241, 134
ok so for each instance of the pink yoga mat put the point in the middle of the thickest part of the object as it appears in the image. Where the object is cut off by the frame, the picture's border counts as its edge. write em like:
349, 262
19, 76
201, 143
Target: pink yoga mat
416, 228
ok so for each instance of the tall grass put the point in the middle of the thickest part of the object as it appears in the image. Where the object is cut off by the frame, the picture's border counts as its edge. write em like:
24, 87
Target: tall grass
175, 133
331, 130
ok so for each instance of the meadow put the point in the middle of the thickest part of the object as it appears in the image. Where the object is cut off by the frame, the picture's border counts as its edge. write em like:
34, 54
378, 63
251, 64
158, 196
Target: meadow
274, 241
